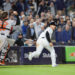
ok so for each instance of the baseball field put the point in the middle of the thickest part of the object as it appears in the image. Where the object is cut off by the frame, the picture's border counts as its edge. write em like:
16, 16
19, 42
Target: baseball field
64, 69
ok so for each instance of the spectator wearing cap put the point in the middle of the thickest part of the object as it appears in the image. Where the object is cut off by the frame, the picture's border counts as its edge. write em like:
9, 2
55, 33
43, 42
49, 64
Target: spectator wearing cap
31, 32
19, 41
24, 28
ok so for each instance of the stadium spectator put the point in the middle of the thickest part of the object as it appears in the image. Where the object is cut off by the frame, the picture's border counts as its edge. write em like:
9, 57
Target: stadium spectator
21, 6
13, 4
1, 14
40, 13
61, 21
68, 22
52, 8
67, 17
35, 5
7, 5
50, 19
24, 28
22, 19
19, 41
59, 13
12, 19
1, 4
58, 35
60, 5
29, 18
36, 17
31, 32
31, 21
45, 24
42, 16
66, 34
41, 7
38, 26
73, 29
71, 7
16, 15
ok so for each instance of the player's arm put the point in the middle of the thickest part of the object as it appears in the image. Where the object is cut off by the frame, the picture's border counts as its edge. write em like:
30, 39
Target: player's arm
48, 38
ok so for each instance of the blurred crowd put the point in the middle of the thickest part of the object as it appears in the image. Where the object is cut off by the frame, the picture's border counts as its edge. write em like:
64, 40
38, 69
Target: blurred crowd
29, 18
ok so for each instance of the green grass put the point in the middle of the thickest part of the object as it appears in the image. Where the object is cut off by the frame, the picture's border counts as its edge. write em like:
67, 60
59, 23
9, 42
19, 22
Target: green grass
67, 69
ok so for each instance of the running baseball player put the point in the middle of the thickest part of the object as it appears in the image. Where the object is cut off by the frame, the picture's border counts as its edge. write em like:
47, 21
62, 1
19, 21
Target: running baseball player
44, 41
4, 33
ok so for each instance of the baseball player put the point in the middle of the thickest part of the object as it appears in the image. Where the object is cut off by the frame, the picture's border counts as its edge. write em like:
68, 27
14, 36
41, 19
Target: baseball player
4, 33
44, 41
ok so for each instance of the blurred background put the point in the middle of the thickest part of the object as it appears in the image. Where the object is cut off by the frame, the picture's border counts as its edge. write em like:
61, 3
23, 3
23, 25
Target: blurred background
29, 18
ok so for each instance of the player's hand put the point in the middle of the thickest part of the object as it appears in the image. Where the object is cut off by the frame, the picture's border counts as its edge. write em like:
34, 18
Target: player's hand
51, 44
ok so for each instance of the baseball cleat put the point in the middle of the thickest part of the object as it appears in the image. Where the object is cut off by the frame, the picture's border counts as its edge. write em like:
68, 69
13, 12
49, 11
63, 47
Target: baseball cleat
55, 65
29, 57
2, 63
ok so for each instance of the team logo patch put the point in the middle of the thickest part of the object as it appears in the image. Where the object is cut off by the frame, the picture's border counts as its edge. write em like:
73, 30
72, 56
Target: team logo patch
72, 54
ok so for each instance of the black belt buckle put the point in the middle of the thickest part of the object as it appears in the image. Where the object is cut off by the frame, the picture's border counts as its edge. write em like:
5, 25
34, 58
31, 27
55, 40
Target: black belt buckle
2, 34
43, 37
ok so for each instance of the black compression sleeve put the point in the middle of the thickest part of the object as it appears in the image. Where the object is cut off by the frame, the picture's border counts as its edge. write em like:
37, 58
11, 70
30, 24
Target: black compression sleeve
48, 37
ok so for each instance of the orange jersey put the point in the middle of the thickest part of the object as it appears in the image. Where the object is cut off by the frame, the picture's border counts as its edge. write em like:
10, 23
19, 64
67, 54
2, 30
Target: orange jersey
4, 25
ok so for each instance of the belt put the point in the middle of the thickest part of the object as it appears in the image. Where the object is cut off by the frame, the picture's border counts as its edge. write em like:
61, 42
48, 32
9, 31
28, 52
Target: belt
43, 37
2, 33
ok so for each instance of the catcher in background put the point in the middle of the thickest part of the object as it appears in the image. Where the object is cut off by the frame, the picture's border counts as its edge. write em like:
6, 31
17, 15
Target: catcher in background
44, 41
5, 28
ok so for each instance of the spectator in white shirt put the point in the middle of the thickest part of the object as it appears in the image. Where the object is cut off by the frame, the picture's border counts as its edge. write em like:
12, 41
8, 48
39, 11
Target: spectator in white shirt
38, 26
12, 19
7, 5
